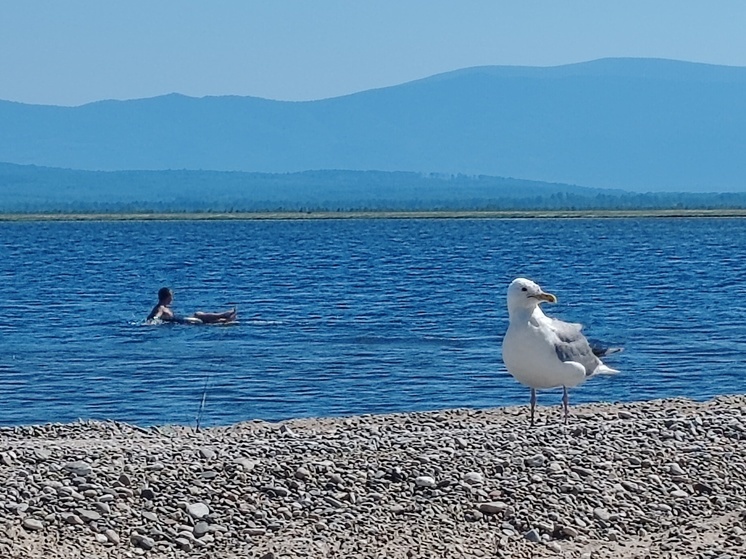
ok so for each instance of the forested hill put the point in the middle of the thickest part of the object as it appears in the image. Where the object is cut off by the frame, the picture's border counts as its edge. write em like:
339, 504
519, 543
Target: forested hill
636, 124
28, 188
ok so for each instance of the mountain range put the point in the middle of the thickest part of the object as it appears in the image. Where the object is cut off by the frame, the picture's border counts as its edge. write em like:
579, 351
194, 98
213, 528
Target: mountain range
632, 124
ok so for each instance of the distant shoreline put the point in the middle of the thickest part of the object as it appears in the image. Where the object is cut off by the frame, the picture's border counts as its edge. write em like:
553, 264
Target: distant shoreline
249, 216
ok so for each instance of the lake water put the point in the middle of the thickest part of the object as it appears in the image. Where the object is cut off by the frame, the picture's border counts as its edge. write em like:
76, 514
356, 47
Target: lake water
353, 316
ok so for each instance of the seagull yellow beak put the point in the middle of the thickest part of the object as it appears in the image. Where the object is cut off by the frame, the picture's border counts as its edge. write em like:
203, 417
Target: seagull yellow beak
548, 297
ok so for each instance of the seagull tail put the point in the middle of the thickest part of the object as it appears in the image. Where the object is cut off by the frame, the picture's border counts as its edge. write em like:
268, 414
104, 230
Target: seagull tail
604, 370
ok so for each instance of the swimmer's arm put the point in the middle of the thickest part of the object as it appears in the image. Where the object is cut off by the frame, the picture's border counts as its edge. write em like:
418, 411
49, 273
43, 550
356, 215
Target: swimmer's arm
162, 313
155, 313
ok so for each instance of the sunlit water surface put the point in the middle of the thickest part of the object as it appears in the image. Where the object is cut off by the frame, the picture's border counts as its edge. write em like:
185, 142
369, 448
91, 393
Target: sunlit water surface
353, 316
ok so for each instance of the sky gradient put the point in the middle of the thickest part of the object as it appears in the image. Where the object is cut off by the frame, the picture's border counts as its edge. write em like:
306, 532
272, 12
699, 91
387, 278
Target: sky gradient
75, 52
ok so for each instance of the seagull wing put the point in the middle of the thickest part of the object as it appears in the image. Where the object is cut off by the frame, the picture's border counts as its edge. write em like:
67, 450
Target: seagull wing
571, 345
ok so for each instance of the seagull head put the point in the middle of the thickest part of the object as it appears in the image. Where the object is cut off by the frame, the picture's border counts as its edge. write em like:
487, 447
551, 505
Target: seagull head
524, 293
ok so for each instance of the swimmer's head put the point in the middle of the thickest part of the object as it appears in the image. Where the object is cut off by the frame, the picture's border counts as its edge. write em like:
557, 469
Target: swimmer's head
165, 295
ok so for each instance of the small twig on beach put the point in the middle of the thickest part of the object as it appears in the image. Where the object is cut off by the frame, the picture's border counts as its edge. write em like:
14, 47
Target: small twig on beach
202, 403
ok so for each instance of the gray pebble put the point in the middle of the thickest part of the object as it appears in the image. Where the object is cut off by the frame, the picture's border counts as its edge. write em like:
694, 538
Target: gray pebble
302, 473
33, 524
144, 542
675, 470
675, 475
602, 514
256, 531
78, 468
492, 507
73, 519
532, 535
424, 481
88, 515
207, 453
183, 544
473, 478
570, 532
200, 529
198, 510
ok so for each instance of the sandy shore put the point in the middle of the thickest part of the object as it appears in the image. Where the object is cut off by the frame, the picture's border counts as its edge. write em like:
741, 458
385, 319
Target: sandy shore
645, 480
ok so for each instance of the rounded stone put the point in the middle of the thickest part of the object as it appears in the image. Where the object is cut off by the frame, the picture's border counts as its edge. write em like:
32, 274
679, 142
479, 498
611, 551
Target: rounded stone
33, 524
200, 529
89, 515
424, 481
492, 507
473, 478
570, 532
143, 542
78, 468
302, 473
198, 510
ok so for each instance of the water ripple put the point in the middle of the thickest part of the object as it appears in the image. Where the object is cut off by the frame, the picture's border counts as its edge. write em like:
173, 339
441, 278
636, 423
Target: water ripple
342, 317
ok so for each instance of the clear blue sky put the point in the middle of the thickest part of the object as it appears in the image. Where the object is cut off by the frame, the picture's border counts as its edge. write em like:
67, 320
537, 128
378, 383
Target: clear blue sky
70, 52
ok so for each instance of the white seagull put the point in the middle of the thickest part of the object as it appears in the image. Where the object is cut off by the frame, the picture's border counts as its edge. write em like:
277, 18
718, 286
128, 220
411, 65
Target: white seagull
543, 352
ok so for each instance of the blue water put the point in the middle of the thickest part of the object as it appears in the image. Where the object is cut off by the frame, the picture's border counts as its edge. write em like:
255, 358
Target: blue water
349, 317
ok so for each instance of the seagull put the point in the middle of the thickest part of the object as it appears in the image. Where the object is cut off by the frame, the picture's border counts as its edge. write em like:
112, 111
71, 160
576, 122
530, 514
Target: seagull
543, 352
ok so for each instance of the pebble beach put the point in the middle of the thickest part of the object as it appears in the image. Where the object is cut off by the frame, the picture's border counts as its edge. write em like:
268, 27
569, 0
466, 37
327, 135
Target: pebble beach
657, 479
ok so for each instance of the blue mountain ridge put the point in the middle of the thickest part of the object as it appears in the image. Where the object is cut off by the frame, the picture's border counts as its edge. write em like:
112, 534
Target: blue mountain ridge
632, 124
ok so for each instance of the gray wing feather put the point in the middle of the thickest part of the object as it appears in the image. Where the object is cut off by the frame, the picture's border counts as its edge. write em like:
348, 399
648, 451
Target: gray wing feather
572, 345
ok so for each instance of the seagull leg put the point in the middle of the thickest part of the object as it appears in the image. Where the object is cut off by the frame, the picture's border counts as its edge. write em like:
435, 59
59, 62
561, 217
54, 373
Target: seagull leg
533, 405
565, 402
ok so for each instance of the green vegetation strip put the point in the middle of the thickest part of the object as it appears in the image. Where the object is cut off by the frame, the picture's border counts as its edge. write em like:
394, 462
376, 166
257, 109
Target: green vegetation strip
238, 216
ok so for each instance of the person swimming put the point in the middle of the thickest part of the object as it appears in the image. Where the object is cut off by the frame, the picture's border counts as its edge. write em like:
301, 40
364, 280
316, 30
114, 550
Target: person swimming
162, 311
